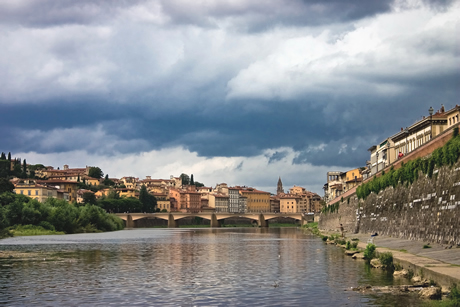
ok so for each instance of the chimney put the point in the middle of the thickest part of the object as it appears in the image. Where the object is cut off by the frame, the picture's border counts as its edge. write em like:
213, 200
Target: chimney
402, 129
442, 108
148, 177
66, 167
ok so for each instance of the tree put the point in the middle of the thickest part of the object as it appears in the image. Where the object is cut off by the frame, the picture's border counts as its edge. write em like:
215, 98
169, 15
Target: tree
89, 198
6, 185
199, 184
3, 157
9, 156
191, 180
185, 179
148, 200
95, 172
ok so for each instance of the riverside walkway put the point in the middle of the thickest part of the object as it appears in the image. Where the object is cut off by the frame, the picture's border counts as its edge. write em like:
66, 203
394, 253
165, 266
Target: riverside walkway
440, 263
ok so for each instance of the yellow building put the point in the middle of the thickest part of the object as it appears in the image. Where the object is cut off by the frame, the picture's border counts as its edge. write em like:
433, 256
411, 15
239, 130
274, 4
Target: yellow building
257, 201
163, 202
67, 186
292, 204
39, 192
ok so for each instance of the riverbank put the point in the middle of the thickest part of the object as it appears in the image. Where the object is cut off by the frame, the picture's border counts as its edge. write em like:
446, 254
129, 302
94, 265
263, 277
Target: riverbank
426, 264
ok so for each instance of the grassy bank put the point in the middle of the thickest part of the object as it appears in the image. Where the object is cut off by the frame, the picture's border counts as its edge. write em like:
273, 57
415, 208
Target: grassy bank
32, 230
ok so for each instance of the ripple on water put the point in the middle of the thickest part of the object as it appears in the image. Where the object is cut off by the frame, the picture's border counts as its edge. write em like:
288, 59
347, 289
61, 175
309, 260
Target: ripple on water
199, 267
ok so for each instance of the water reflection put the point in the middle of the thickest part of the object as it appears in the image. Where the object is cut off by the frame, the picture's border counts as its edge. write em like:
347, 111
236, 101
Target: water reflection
187, 267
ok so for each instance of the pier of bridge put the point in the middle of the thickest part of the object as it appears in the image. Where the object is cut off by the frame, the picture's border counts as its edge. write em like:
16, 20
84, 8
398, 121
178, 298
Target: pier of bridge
214, 218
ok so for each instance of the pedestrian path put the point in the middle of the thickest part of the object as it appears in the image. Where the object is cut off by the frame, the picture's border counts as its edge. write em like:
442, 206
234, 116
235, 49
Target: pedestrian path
439, 262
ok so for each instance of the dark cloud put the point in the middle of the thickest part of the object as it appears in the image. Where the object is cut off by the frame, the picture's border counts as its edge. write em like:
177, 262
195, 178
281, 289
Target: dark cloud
47, 13
277, 156
250, 15
260, 15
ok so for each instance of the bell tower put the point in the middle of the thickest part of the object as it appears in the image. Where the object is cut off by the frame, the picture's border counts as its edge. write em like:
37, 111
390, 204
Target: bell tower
279, 188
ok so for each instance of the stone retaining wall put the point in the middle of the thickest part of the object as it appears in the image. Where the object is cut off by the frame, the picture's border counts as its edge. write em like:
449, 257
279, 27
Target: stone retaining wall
427, 210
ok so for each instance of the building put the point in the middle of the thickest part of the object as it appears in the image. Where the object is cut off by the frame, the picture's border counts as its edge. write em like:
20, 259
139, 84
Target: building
234, 202
185, 200
275, 203
407, 140
163, 202
291, 203
334, 186
279, 187
257, 201
39, 192
70, 187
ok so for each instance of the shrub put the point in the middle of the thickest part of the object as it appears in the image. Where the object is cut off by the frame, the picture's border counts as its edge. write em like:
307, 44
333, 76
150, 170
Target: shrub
348, 245
426, 246
386, 259
369, 252
354, 244
324, 238
455, 293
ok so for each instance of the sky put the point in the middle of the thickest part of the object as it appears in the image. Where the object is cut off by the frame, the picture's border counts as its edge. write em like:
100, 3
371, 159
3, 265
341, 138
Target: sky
234, 91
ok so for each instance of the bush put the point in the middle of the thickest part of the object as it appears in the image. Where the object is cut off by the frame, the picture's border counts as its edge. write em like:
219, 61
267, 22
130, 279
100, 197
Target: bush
354, 244
348, 245
369, 252
324, 238
386, 259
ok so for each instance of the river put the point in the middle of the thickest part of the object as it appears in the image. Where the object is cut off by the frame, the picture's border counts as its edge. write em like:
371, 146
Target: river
188, 267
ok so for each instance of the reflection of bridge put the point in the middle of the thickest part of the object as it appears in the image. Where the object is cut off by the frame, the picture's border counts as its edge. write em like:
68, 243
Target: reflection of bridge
215, 218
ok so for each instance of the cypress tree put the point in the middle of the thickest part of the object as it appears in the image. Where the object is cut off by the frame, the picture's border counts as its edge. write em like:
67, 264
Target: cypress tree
192, 182
9, 156
3, 157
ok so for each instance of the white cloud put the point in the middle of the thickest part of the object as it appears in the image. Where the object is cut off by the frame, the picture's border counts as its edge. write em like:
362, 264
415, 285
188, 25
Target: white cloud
370, 60
256, 171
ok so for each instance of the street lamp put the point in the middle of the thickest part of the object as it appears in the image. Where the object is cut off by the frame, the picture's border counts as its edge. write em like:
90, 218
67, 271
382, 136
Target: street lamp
430, 110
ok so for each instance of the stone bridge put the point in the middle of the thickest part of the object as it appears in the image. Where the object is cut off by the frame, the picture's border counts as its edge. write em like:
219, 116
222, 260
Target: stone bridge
214, 218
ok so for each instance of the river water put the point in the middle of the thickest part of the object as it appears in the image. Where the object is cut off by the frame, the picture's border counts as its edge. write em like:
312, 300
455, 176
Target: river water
188, 267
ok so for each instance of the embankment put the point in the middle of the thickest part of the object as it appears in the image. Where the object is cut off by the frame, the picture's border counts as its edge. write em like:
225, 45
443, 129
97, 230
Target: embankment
427, 210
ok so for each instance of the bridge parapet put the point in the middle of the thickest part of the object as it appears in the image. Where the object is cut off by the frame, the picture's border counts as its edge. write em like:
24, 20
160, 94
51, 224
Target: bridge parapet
214, 218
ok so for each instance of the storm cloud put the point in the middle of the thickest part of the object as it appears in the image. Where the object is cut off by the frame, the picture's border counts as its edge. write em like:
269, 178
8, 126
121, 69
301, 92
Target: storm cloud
302, 86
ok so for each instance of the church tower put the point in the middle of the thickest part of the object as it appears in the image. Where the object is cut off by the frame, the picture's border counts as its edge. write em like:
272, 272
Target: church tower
279, 188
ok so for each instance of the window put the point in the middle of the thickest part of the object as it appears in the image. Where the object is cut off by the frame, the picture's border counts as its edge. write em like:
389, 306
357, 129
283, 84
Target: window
22, 192
36, 192
29, 192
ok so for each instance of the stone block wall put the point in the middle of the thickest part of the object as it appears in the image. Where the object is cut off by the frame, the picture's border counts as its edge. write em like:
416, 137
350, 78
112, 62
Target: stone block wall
346, 215
427, 210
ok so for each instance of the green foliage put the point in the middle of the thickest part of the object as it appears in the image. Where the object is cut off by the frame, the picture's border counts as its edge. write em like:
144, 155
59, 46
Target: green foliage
129, 204
324, 238
6, 185
426, 246
386, 259
148, 200
409, 172
199, 184
53, 215
185, 179
33, 230
95, 172
455, 132
163, 211
369, 252
192, 182
455, 294
348, 245
89, 198
332, 208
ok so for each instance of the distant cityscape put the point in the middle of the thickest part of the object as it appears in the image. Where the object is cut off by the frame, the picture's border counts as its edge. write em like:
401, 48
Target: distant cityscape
178, 194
